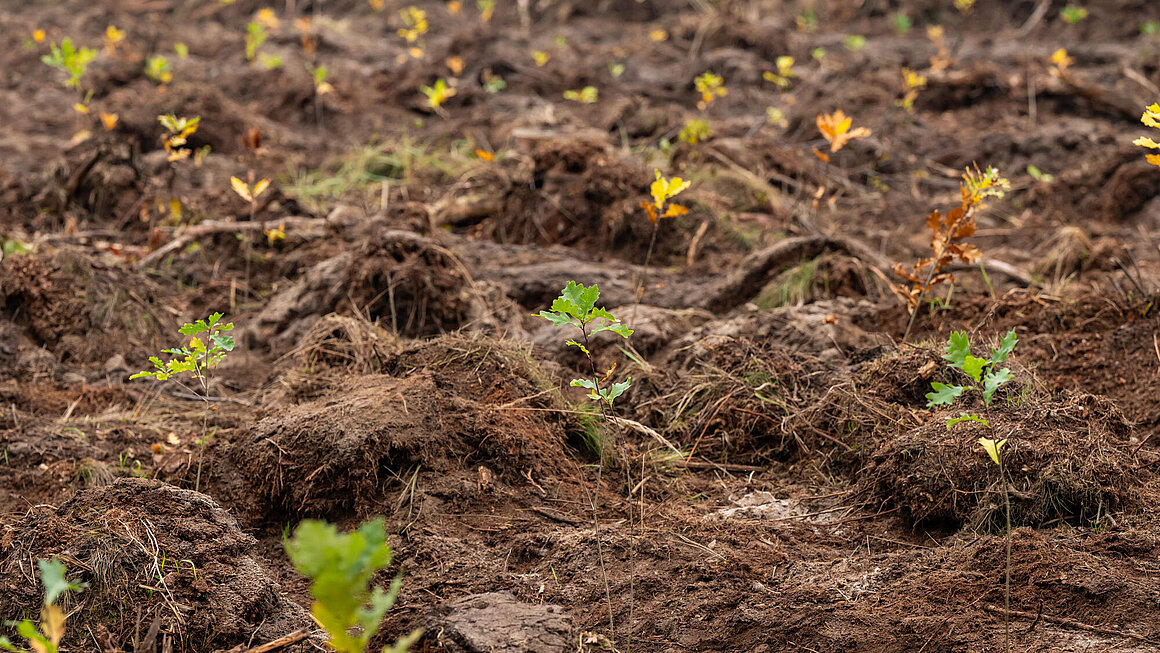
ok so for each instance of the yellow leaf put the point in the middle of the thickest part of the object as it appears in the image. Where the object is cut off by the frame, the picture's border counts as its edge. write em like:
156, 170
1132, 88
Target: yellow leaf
241, 189
1060, 58
485, 155
1151, 116
1154, 159
267, 17
1146, 142
276, 234
658, 35
109, 120
38, 35
540, 57
52, 623
992, 447
835, 128
195, 343
675, 210
650, 210
175, 209
81, 108
261, 187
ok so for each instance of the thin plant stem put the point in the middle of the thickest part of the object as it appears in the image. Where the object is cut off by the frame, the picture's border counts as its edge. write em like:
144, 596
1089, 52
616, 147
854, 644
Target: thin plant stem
638, 291
918, 306
1007, 580
596, 493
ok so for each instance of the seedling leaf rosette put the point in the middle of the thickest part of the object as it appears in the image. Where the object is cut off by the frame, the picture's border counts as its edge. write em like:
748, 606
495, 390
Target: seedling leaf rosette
576, 307
198, 356
988, 377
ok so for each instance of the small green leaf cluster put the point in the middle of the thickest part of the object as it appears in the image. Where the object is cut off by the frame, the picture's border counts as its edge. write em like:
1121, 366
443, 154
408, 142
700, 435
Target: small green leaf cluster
46, 639
576, 307
985, 372
68, 58
10, 246
256, 35
340, 567
199, 355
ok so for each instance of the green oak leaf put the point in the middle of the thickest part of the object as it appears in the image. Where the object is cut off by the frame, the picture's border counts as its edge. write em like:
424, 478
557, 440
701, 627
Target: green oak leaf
1006, 346
958, 348
943, 395
992, 381
966, 418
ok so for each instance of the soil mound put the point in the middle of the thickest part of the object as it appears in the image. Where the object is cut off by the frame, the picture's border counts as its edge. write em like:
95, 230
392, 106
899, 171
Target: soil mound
78, 308
447, 407
1067, 459
149, 551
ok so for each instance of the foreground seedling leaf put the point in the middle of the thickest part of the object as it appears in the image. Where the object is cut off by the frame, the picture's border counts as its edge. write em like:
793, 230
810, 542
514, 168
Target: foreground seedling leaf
982, 371
967, 418
943, 395
340, 567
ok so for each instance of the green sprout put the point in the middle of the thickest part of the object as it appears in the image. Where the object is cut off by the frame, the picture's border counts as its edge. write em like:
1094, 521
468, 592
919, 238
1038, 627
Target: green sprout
901, 23
256, 35
1073, 14
157, 69
340, 567
985, 373
586, 95
10, 246
784, 73
197, 359
438, 94
854, 42
710, 86
1039, 175
987, 379
576, 308
69, 59
695, 131
46, 638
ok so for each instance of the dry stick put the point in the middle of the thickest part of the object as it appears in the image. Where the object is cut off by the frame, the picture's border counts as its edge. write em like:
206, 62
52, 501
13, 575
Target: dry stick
706, 427
1072, 623
191, 234
285, 640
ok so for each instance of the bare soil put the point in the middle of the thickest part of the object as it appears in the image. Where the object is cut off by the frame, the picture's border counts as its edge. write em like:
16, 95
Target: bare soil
772, 481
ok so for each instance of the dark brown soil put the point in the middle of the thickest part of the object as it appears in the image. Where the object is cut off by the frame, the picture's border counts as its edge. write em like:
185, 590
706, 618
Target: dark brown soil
773, 480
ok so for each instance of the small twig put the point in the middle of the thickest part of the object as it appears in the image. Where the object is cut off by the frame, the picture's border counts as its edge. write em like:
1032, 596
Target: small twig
203, 229
706, 427
281, 642
1072, 623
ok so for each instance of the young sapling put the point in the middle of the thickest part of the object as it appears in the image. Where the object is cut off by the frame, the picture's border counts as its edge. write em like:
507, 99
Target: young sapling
663, 190
576, 308
340, 567
947, 240
197, 359
988, 377
46, 638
